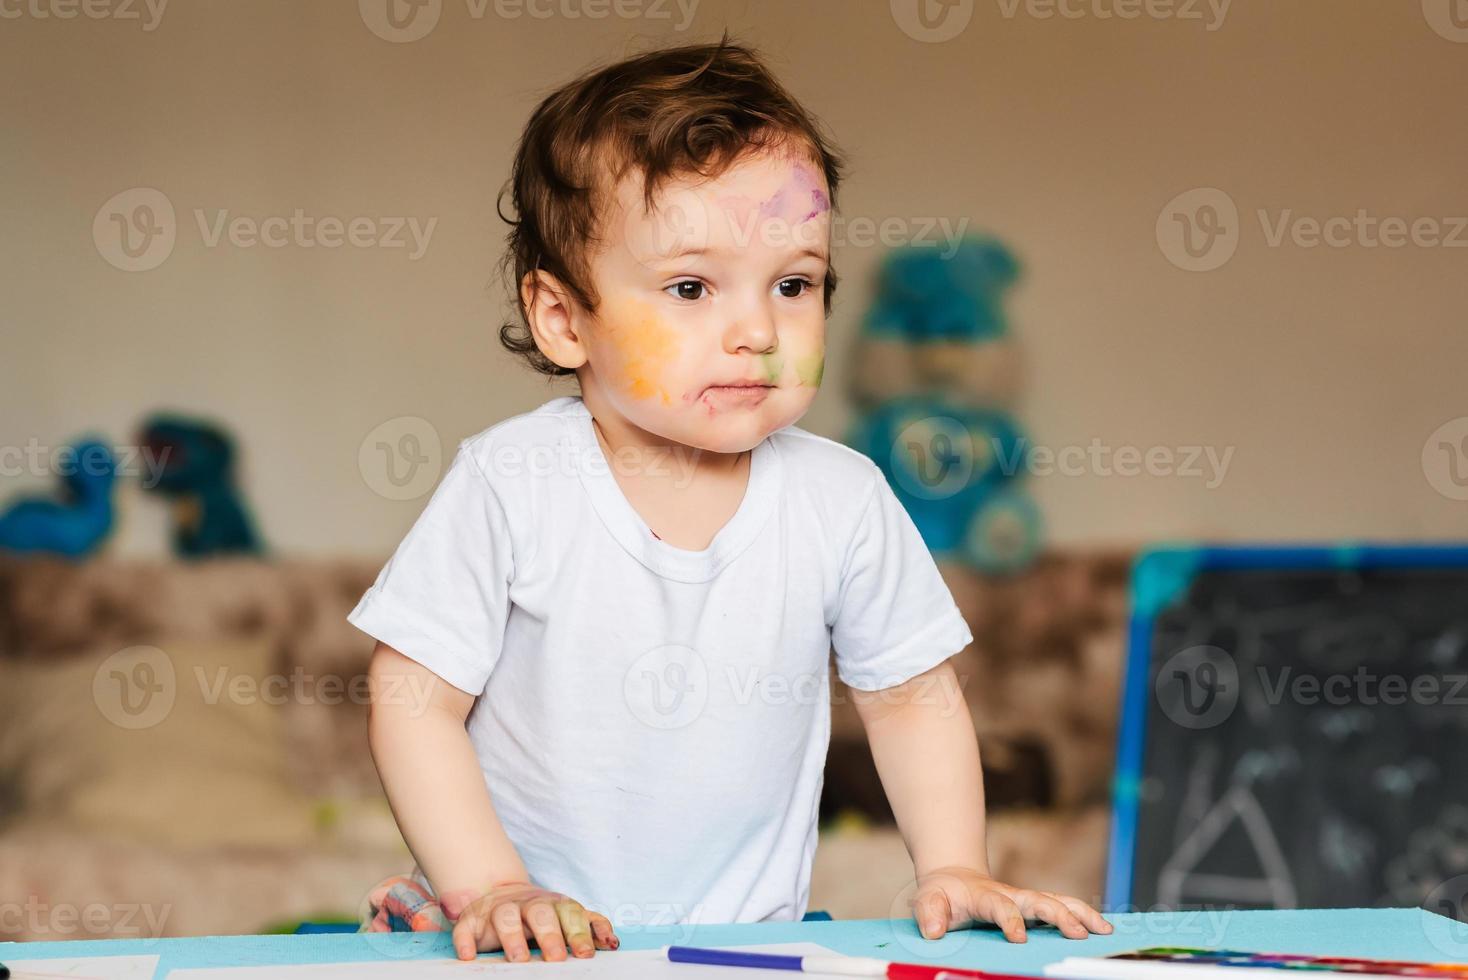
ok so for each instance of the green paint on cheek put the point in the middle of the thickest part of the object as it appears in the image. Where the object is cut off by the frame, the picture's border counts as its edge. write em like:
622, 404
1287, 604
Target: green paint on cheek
809, 369
773, 364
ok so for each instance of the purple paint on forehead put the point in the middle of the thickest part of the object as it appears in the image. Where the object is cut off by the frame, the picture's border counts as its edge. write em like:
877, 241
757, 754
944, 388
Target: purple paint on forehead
804, 190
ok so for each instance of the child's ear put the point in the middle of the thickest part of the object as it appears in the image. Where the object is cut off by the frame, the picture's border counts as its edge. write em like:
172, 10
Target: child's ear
551, 314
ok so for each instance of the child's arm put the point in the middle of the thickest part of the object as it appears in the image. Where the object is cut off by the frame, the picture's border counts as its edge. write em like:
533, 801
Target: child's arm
437, 793
927, 754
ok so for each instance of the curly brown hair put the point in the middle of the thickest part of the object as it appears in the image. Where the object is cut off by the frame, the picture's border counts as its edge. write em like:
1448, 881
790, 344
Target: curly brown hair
676, 111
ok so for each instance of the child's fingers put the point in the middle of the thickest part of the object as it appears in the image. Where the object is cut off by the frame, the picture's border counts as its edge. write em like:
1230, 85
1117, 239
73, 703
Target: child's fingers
1000, 909
1049, 908
1089, 917
511, 931
575, 927
472, 933
540, 915
602, 932
933, 913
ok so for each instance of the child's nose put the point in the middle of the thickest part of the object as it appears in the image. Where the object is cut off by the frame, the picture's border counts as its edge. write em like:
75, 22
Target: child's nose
753, 329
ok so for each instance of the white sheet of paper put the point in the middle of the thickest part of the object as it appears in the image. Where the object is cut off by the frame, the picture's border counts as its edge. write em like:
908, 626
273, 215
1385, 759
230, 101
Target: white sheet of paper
642, 964
85, 968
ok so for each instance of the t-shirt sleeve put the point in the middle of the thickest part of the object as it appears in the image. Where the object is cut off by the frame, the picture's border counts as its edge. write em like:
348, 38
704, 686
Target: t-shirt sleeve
896, 617
443, 597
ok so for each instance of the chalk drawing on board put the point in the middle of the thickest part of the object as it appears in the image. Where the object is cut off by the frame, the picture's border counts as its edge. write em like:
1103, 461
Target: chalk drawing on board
1179, 876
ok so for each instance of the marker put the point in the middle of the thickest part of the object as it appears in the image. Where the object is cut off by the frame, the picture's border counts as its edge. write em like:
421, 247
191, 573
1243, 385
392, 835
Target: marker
844, 966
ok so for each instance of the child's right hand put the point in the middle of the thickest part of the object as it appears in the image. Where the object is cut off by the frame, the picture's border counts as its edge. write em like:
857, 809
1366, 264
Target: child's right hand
498, 920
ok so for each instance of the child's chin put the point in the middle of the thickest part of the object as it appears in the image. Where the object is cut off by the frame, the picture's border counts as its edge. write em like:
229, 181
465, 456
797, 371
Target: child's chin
738, 433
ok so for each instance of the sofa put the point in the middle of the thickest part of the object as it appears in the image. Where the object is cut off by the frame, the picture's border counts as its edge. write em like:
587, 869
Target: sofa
248, 802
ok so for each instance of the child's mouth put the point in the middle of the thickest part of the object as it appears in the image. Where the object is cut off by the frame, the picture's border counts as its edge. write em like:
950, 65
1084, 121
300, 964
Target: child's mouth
738, 394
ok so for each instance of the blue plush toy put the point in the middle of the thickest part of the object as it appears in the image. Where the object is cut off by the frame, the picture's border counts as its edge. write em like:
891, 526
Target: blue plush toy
75, 522
935, 371
197, 461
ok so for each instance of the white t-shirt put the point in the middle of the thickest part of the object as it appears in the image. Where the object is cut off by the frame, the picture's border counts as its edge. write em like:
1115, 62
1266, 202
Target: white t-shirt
652, 721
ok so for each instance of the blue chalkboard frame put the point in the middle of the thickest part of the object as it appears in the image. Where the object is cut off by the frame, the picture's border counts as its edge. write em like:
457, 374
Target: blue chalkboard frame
1159, 577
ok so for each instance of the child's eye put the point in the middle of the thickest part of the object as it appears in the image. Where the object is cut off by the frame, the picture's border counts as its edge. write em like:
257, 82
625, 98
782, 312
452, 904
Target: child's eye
689, 289
795, 287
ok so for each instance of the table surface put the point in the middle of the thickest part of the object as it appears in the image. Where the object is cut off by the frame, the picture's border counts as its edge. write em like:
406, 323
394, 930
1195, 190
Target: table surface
1408, 934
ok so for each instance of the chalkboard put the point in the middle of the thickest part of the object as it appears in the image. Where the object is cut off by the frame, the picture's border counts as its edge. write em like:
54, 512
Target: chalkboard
1294, 731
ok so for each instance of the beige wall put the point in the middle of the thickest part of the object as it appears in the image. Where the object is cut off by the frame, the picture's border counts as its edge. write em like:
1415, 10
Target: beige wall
1324, 368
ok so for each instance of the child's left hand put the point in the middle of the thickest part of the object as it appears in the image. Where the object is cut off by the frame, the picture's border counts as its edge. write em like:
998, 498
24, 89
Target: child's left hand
955, 898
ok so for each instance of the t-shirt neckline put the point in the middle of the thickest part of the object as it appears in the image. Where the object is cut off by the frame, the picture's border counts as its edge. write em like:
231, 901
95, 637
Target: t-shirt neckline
631, 531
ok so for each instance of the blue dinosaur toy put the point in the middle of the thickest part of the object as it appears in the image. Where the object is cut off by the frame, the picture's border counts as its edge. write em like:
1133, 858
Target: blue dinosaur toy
197, 474
74, 523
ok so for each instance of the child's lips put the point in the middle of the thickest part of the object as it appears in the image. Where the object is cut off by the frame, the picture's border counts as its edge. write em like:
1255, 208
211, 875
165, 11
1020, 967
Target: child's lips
739, 393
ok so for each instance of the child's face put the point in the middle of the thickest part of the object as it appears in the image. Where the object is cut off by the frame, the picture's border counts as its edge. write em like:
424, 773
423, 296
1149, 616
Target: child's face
721, 286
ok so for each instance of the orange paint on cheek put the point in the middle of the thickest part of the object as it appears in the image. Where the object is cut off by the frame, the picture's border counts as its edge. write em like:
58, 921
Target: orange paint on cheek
647, 346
